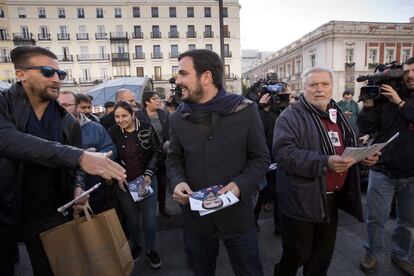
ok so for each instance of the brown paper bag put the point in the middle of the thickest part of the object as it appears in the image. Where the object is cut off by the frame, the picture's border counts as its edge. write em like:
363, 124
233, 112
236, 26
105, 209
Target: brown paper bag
95, 245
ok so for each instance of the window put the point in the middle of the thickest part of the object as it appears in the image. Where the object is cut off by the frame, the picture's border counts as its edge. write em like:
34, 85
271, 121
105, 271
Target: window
25, 32
1, 13
140, 71
61, 13
173, 12
190, 11
81, 13
86, 74
207, 12
288, 71
82, 35
139, 54
157, 73
99, 13
191, 31
227, 52
225, 12
44, 33
227, 71
226, 32
156, 51
389, 55
349, 55
209, 47
173, 31
174, 71
154, 11
3, 34
104, 73
298, 69
65, 53
118, 12
21, 12
156, 31
174, 51
313, 60
69, 75
191, 46
63, 33
136, 12
41, 12
137, 32
406, 54
100, 34
373, 56
208, 31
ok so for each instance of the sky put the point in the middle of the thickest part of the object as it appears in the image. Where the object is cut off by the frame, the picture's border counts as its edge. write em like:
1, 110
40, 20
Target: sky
269, 25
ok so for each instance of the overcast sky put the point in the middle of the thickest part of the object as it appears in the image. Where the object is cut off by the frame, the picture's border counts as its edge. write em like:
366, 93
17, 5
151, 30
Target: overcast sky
269, 25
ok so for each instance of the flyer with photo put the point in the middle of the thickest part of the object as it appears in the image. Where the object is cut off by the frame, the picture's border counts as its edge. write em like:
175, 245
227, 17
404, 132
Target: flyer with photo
138, 189
208, 200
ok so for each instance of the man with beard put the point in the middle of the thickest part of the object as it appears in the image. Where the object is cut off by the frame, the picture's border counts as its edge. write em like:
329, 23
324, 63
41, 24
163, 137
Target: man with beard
38, 168
216, 138
393, 175
313, 180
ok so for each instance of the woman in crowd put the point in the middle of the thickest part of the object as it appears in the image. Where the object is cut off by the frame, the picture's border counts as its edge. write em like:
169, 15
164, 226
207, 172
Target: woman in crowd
138, 151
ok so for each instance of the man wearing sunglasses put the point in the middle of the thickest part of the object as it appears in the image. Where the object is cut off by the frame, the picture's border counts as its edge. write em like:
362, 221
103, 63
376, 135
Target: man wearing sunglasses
38, 157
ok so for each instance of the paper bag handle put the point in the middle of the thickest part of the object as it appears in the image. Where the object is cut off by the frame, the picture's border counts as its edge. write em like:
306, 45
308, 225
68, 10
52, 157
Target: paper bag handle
86, 209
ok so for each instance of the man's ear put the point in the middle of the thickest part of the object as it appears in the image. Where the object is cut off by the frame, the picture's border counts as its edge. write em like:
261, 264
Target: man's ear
207, 77
20, 75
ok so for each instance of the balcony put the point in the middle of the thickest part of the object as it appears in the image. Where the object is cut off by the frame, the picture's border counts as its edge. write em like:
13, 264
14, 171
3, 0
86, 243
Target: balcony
118, 35
87, 57
4, 36
43, 37
137, 35
120, 56
82, 36
42, 15
174, 54
209, 34
156, 55
191, 34
173, 34
155, 34
139, 56
23, 37
101, 36
63, 36
65, 58
5, 59
226, 34
227, 54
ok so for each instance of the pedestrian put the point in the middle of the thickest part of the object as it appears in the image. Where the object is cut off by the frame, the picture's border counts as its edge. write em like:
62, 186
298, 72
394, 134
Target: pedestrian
216, 138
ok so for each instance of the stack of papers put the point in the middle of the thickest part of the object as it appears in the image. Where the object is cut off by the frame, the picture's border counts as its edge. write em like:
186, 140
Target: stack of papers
208, 200
138, 189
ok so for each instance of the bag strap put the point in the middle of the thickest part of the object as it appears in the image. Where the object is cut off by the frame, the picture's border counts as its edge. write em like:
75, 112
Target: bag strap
87, 210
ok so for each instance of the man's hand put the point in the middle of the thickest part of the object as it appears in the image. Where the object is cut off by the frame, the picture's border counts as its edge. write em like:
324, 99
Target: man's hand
338, 164
371, 160
181, 193
390, 93
148, 180
348, 113
97, 163
80, 202
232, 187
264, 99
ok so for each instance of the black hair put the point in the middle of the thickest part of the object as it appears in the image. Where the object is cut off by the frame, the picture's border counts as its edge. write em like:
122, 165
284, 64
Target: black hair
109, 104
77, 101
206, 60
347, 92
147, 95
21, 55
84, 98
409, 61
125, 105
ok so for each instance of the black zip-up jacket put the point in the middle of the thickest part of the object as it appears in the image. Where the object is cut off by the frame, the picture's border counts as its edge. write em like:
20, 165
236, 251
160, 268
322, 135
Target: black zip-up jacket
384, 120
18, 148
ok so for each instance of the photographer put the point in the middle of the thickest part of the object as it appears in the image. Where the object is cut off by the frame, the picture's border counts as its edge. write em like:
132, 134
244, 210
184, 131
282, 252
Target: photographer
393, 175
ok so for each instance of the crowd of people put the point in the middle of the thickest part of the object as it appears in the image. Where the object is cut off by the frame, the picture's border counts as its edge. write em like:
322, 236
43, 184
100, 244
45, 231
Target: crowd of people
52, 148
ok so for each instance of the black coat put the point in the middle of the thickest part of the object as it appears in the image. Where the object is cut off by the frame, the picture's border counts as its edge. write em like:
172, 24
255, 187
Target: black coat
16, 148
232, 148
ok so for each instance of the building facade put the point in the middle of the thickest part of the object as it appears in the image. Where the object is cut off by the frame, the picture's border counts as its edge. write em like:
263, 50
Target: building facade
349, 49
98, 40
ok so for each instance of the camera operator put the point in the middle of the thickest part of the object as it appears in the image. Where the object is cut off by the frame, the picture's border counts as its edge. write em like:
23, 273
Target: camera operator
393, 175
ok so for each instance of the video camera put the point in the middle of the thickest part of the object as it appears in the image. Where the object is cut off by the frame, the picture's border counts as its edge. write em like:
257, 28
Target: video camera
390, 74
175, 95
275, 88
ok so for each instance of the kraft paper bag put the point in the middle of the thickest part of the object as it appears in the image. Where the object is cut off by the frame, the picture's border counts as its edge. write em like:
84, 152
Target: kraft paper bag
91, 245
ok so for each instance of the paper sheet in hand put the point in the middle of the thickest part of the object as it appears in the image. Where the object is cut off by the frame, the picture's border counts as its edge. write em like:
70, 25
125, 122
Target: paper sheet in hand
359, 154
138, 189
208, 200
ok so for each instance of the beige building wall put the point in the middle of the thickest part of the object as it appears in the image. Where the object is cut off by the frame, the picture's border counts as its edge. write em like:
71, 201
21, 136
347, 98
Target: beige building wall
93, 49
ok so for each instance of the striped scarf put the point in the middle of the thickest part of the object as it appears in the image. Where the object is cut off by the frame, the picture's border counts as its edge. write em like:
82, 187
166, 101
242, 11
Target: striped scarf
317, 113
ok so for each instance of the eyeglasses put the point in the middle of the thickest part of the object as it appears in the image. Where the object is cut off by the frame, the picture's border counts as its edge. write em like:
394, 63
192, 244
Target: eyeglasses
48, 71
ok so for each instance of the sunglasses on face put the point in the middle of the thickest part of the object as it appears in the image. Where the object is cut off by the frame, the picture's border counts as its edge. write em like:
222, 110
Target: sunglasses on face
48, 71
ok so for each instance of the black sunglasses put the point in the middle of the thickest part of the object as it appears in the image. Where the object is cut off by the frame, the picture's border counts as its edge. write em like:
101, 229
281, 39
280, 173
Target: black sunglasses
48, 71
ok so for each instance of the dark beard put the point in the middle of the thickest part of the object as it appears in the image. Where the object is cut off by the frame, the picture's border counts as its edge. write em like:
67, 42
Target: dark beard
194, 97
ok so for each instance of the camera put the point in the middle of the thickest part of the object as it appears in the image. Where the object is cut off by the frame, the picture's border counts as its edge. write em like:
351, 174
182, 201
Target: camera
176, 93
272, 86
390, 74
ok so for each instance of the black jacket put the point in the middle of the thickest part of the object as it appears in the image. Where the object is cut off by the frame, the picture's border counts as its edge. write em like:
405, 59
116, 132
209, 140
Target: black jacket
164, 117
384, 120
150, 154
16, 148
232, 148
108, 120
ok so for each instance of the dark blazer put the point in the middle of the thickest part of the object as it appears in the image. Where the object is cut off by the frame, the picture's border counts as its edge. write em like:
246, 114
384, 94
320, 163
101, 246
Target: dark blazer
232, 148
16, 148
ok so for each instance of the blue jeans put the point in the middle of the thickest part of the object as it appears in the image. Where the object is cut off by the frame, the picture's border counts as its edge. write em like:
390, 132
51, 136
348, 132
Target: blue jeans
132, 210
381, 189
243, 251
